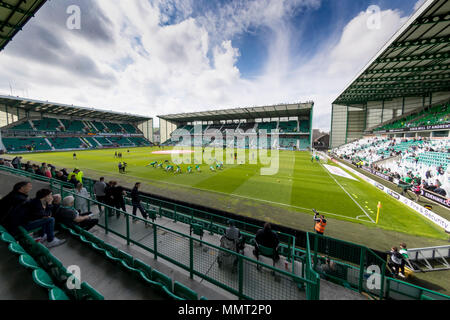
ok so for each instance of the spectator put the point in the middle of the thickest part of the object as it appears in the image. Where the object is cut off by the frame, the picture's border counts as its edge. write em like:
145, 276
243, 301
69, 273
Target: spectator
81, 199
99, 191
60, 176
267, 238
56, 204
64, 171
136, 202
16, 162
395, 261
234, 234
404, 252
417, 191
37, 214
29, 167
12, 200
320, 223
73, 180
70, 217
109, 197
119, 202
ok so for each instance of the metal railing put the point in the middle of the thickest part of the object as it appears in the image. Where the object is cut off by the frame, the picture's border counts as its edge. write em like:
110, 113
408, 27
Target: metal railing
199, 258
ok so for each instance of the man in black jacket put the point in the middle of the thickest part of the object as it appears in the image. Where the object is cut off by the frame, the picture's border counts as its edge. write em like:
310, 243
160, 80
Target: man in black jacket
269, 239
136, 201
16, 162
119, 202
16, 197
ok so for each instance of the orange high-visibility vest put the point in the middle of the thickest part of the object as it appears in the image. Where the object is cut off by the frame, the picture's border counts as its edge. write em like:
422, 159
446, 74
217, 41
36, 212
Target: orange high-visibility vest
320, 226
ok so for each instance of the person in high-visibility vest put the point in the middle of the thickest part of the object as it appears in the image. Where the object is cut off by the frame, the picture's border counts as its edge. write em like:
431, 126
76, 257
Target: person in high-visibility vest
320, 225
79, 175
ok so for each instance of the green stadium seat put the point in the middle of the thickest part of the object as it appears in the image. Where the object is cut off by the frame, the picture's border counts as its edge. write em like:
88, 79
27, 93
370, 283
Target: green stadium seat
86, 292
184, 292
57, 294
7, 238
164, 280
17, 249
42, 279
28, 262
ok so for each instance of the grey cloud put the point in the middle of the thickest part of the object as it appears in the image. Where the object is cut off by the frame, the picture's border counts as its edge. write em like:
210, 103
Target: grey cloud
48, 48
95, 25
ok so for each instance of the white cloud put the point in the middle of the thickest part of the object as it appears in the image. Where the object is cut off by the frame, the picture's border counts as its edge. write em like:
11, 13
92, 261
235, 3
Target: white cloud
190, 65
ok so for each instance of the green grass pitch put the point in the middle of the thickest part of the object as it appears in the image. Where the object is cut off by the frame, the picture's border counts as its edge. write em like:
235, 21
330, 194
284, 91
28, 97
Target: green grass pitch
299, 186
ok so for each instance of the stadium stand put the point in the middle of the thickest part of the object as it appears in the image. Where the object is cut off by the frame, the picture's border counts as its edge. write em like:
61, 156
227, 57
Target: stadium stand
73, 126
47, 124
63, 127
67, 143
430, 116
404, 159
25, 144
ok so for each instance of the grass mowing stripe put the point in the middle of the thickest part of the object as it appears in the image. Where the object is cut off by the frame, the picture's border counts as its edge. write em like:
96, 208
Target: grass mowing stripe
347, 193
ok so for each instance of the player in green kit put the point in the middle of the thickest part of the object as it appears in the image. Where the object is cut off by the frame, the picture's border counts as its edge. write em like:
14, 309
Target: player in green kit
317, 158
169, 168
153, 164
212, 168
189, 169
178, 170
197, 167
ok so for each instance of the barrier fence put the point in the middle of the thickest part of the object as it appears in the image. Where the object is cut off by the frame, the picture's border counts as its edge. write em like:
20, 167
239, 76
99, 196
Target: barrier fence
353, 266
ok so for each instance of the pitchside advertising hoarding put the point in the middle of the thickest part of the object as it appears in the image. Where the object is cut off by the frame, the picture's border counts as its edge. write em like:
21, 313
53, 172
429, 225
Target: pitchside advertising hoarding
443, 223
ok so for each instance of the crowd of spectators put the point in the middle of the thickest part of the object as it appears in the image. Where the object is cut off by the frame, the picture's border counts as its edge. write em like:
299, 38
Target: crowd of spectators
405, 167
42, 213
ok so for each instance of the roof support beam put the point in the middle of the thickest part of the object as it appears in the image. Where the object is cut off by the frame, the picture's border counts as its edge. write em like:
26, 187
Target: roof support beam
408, 78
423, 42
419, 57
433, 67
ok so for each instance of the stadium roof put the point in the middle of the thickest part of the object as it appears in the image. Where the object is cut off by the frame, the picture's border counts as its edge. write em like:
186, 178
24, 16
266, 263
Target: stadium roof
415, 62
277, 111
14, 14
67, 110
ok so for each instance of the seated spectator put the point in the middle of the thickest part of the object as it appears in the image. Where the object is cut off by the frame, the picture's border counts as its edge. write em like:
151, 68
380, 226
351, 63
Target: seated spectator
36, 214
234, 234
70, 217
12, 200
29, 167
60, 176
56, 204
82, 199
267, 238
73, 180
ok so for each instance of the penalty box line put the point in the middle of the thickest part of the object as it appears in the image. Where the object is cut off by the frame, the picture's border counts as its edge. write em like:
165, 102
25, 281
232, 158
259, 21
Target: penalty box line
348, 194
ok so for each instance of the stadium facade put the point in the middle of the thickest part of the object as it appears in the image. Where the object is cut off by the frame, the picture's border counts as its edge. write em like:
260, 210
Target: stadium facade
405, 81
31, 126
292, 123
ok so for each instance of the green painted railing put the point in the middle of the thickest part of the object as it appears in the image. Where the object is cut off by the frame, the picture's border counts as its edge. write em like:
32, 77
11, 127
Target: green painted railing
198, 258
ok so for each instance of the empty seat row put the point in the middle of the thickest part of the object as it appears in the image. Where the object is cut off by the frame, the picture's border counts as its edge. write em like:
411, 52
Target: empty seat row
155, 279
47, 271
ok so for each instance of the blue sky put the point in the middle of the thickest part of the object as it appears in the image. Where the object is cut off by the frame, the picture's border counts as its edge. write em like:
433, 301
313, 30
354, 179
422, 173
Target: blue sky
158, 57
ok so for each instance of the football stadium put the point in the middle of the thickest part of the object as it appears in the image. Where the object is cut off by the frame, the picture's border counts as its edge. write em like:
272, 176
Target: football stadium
236, 203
